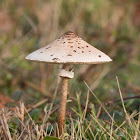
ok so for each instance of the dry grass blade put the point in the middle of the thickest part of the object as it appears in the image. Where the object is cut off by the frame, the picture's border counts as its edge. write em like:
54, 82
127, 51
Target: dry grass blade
4, 122
22, 115
119, 127
87, 100
72, 128
88, 127
3, 128
79, 129
99, 111
111, 131
137, 131
99, 102
103, 127
37, 104
127, 116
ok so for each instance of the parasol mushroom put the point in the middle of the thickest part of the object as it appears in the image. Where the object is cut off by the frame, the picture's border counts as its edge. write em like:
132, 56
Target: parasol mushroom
67, 49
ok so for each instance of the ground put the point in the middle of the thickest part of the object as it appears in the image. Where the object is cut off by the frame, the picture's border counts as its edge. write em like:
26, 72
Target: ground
27, 88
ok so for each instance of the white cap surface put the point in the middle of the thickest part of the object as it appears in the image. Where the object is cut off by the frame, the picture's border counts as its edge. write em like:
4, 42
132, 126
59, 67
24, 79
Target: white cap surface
69, 48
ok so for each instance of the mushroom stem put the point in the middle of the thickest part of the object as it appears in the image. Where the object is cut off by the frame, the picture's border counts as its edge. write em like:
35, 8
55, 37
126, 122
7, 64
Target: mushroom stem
62, 104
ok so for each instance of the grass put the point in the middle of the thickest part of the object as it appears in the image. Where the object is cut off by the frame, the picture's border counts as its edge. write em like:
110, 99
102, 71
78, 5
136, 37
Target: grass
18, 124
111, 26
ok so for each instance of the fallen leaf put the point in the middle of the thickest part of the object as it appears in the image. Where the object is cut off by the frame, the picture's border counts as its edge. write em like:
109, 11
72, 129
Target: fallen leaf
4, 100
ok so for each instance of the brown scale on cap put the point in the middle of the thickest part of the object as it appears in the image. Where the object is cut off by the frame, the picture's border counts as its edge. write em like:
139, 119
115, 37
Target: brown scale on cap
69, 55
48, 47
55, 59
69, 34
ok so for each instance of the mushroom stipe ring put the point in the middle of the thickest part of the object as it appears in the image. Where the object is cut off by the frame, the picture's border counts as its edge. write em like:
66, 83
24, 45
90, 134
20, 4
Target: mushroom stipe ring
66, 74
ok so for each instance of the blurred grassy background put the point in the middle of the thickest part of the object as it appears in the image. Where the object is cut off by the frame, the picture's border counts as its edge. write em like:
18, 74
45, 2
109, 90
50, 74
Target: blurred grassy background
111, 26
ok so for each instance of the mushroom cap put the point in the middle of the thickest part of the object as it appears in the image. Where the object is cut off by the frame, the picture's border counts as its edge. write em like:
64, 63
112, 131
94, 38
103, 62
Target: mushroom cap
69, 49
